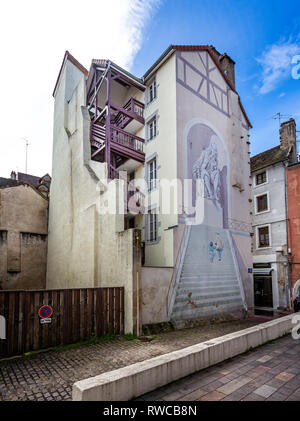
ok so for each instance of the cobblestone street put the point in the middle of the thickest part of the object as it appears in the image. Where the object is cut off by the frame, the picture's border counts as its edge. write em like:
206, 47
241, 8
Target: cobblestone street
270, 372
50, 375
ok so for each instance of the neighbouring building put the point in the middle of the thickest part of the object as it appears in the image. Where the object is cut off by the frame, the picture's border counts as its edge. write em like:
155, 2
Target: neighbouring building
115, 133
23, 231
293, 197
270, 222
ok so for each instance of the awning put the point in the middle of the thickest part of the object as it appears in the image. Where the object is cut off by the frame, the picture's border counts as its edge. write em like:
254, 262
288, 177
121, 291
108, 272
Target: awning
262, 271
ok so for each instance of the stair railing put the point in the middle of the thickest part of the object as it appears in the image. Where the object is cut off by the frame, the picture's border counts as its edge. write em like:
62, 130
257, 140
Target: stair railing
171, 295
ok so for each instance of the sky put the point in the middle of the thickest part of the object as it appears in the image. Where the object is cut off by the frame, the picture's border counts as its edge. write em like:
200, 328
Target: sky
262, 37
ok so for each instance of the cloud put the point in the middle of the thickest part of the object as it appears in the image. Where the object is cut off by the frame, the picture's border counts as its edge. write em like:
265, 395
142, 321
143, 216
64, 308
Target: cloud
35, 35
276, 65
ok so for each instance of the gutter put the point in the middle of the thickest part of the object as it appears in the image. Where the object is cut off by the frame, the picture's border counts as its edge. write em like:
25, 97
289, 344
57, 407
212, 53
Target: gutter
285, 164
269, 165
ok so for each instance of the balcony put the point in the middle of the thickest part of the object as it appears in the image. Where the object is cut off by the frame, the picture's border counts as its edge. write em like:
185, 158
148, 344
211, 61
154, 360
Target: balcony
131, 115
127, 144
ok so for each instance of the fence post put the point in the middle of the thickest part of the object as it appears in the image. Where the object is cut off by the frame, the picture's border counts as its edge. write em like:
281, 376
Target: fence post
2, 327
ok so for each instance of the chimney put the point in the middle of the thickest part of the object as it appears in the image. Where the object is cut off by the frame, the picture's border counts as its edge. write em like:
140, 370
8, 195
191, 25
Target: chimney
226, 63
13, 175
287, 134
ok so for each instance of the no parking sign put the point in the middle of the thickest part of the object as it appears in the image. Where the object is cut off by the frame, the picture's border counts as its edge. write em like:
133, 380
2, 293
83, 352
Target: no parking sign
45, 313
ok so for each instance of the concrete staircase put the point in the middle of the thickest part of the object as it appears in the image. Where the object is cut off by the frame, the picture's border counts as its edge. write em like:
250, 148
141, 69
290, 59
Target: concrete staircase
204, 288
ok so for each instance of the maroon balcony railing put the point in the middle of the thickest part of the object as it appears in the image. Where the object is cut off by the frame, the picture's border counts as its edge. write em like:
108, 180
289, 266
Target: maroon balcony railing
135, 109
126, 139
135, 106
97, 133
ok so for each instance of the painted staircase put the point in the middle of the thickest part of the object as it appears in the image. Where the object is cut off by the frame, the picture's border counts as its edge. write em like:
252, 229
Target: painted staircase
206, 288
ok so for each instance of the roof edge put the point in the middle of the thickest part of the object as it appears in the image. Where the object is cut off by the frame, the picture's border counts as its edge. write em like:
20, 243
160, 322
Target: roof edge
207, 48
76, 63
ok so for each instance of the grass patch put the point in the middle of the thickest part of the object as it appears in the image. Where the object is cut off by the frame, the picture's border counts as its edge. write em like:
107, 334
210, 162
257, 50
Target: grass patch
130, 337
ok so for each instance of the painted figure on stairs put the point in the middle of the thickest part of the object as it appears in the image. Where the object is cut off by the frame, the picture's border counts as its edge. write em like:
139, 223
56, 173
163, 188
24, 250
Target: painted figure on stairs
219, 246
212, 252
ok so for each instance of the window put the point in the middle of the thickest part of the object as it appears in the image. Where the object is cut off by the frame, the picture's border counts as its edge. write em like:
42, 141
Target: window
262, 203
263, 237
261, 178
152, 226
152, 129
152, 175
152, 91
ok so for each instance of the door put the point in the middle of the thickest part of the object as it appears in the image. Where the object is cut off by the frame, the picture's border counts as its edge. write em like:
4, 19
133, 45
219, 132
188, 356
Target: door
263, 295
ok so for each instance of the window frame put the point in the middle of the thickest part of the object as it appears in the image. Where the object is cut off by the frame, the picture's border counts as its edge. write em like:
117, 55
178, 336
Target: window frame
151, 122
256, 197
265, 182
261, 174
258, 244
152, 91
152, 226
152, 180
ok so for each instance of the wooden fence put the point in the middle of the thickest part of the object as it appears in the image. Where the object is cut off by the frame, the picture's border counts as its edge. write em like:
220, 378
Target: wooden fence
77, 315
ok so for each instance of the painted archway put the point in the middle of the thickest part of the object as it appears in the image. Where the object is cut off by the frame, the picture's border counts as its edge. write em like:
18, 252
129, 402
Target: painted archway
205, 157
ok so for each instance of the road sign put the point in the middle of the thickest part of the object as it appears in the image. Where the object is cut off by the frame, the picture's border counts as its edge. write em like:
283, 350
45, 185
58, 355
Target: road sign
45, 321
45, 312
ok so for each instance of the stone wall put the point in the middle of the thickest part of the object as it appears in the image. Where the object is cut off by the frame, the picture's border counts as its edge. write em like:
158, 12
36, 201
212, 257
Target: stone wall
23, 238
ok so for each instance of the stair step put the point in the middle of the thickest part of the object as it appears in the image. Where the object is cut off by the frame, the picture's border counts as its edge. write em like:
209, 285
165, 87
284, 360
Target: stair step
226, 298
209, 303
205, 311
203, 292
203, 280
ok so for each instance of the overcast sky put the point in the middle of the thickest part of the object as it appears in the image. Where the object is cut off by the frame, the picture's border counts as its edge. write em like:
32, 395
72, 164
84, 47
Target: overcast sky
34, 36
261, 36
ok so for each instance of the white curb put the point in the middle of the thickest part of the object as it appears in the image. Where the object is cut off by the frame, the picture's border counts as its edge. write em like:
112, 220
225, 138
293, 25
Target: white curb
132, 381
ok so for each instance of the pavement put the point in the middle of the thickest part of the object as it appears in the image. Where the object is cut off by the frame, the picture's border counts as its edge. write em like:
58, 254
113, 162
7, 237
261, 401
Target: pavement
268, 373
50, 375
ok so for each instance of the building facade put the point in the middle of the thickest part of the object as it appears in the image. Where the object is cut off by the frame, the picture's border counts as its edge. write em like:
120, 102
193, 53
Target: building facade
123, 150
270, 222
23, 235
293, 197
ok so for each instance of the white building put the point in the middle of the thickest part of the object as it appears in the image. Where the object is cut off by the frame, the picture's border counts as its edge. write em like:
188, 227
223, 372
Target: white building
269, 211
182, 120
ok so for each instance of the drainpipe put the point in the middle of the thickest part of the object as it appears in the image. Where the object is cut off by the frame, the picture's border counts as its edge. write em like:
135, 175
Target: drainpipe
288, 293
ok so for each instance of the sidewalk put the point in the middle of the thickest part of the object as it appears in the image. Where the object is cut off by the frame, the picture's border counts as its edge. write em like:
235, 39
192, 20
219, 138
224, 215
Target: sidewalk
50, 375
270, 372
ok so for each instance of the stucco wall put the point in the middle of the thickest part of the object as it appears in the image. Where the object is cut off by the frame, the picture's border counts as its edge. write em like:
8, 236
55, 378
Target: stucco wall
155, 287
217, 109
86, 249
275, 218
293, 194
164, 148
23, 239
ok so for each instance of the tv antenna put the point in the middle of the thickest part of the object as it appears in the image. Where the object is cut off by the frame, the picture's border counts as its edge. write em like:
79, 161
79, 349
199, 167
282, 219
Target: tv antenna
279, 117
26, 156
